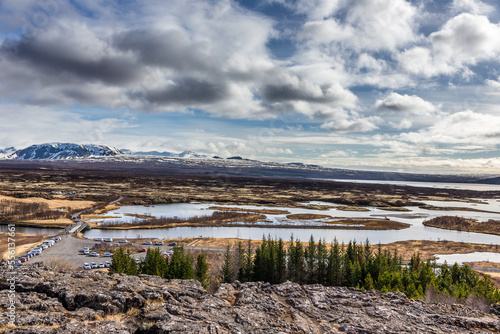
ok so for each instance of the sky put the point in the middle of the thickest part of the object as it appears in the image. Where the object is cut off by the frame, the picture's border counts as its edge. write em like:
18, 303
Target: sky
399, 85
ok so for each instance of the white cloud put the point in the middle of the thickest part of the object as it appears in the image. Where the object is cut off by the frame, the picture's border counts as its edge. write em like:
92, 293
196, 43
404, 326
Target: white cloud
355, 125
471, 6
275, 150
493, 83
405, 104
465, 127
333, 154
369, 25
403, 124
463, 41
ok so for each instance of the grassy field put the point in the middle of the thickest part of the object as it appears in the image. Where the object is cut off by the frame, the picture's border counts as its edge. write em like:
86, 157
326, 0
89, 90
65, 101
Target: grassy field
462, 224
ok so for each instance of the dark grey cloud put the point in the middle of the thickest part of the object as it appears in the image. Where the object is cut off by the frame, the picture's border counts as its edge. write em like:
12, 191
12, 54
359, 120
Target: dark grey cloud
289, 92
172, 49
188, 91
52, 57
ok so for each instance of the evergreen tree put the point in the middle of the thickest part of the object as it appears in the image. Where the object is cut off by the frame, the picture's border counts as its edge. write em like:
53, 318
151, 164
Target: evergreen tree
322, 262
227, 267
247, 271
201, 271
180, 265
310, 258
122, 262
281, 261
154, 263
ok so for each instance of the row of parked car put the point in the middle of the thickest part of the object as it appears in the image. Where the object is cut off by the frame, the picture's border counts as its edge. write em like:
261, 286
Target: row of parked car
86, 251
35, 251
94, 265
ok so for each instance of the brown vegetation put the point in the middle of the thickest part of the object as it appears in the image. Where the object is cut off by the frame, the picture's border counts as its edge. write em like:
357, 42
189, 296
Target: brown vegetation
14, 211
20, 240
368, 224
307, 216
453, 208
463, 224
351, 208
262, 211
218, 218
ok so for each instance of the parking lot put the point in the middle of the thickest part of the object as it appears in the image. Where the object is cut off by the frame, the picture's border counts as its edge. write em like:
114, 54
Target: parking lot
70, 251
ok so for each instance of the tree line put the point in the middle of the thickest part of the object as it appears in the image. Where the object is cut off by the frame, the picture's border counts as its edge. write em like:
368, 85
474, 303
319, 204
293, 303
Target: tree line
12, 211
352, 265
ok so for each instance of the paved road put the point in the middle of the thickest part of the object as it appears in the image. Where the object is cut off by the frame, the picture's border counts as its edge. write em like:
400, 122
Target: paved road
68, 249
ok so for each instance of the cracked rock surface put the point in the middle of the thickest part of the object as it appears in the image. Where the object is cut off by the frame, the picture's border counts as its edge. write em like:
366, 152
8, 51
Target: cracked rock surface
95, 302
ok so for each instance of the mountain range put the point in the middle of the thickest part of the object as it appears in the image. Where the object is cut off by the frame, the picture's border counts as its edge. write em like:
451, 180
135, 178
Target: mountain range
189, 161
59, 151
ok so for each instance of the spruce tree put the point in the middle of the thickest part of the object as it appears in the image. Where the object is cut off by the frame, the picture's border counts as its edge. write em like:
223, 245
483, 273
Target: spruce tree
201, 271
227, 267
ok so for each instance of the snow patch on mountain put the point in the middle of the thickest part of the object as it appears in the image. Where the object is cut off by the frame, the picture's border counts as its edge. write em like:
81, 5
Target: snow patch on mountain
186, 154
64, 151
7, 153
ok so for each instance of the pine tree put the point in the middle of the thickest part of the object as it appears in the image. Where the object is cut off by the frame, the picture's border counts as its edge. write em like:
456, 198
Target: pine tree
310, 257
180, 265
281, 261
227, 267
122, 262
154, 263
201, 271
322, 262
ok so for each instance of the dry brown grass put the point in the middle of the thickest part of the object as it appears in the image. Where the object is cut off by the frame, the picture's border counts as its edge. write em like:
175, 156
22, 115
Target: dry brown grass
351, 208
262, 211
463, 224
53, 203
23, 243
307, 216
427, 248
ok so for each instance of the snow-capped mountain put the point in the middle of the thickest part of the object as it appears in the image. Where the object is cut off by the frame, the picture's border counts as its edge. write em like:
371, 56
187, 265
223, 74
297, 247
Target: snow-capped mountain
7, 153
64, 151
186, 154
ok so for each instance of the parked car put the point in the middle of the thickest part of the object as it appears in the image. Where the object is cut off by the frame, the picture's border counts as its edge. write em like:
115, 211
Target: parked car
172, 244
93, 265
144, 250
137, 261
94, 254
107, 239
17, 263
159, 243
101, 265
44, 246
23, 259
98, 239
123, 241
147, 243
86, 252
107, 264
107, 255
86, 266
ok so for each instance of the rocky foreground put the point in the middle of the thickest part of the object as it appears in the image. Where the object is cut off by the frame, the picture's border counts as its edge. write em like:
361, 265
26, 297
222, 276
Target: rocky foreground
95, 302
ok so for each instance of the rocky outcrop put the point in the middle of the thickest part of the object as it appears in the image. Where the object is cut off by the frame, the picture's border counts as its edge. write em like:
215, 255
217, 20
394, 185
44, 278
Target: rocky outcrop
95, 302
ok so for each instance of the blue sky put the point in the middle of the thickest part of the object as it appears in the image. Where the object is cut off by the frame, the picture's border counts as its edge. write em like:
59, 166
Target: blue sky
365, 84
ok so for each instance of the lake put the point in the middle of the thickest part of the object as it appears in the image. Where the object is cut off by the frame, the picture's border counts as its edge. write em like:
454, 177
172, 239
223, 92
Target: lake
415, 217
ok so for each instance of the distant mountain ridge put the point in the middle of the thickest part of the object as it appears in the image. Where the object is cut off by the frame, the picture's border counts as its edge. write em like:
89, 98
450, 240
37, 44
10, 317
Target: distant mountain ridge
61, 151
184, 154
7, 152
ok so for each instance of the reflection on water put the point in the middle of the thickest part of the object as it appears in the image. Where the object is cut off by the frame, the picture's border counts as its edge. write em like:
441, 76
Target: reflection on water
32, 230
415, 217
469, 257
